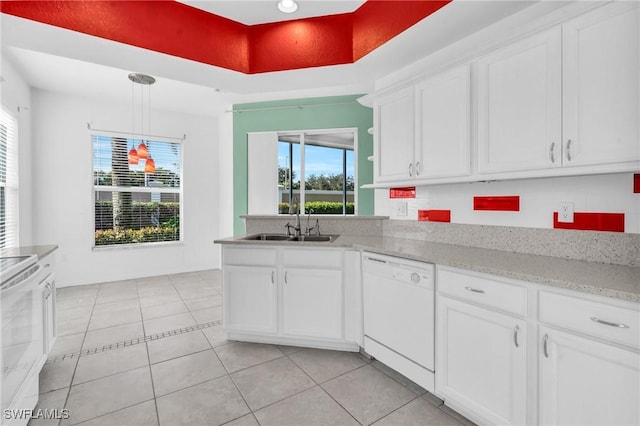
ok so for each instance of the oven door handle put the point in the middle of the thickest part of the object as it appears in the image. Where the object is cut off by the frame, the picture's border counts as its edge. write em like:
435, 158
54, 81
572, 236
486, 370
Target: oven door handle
21, 278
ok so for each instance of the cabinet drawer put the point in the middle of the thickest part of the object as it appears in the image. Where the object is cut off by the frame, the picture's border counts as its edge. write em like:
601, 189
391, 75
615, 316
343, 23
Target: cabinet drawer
312, 258
601, 320
249, 256
484, 290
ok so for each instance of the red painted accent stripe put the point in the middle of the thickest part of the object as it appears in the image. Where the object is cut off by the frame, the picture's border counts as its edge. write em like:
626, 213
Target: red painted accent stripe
636, 183
187, 32
407, 192
497, 203
612, 222
434, 215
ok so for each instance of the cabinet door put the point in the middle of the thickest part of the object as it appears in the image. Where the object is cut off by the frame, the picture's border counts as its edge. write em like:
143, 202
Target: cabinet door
601, 86
394, 136
312, 303
250, 299
519, 105
584, 382
481, 363
443, 106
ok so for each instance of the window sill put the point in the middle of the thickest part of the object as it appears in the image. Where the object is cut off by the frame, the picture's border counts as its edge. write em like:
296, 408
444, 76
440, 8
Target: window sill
137, 246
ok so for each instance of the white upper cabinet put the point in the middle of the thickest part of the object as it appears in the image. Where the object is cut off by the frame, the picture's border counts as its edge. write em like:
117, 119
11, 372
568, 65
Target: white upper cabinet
394, 136
443, 114
601, 86
519, 105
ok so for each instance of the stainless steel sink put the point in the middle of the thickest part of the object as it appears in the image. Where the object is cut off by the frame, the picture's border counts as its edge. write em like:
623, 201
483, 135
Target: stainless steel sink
267, 237
299, 238
315, 238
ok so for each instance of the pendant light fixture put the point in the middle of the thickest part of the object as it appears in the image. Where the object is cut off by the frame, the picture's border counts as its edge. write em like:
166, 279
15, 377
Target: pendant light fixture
142, 153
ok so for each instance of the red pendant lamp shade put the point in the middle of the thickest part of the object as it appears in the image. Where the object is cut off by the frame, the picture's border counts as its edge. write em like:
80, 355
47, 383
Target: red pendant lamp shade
133, 156
143, 153
150, 166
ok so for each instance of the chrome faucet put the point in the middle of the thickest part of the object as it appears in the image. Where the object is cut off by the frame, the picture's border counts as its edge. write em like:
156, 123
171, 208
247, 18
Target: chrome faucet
297, 228
311, 228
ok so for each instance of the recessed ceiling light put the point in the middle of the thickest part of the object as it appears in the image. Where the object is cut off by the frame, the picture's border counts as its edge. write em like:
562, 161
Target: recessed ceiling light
287, 6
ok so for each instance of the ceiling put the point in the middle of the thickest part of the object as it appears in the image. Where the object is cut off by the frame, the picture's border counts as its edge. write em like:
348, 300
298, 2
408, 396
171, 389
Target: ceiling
252, 12
61, 60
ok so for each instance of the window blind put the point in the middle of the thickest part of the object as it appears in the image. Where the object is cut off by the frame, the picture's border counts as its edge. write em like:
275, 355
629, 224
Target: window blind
133, 205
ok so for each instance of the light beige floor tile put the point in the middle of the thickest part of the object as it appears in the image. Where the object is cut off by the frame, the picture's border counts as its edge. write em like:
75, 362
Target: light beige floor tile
197, 293
179, 373
102, 364
210, 403
323, 365
207, 315
106, 336
176, 346
216, 335
160, 299
204, 302
457, 416
115, 292
157, 311
57, 375
310, 408
418, 412
412, 386
368, 394
67, 344
143, 414
270, 382
104, 318
246, 420
78, 292
50, 401
238, 355
288, 350
103, 396
168, 323
72, 326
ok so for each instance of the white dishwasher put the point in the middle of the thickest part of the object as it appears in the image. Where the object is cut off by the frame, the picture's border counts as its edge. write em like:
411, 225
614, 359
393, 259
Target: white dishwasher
399, 315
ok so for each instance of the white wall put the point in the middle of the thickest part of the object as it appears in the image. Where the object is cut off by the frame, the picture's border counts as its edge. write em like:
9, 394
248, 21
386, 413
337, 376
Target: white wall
16, 97
539, 198
225, 173
63, 198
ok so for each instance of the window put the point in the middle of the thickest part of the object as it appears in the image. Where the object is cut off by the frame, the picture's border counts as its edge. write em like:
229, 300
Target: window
318, 171
131, 205
8, 179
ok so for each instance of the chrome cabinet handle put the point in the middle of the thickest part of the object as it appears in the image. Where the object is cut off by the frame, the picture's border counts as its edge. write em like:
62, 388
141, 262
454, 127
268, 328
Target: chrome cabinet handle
569, 150
515, 336
545, 347
475, 290
417, 168
273, 279
551, 152
611, 324
285, 277
410, 169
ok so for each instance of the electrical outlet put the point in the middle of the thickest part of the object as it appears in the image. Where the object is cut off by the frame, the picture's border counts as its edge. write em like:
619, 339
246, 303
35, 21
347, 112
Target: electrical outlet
565, 213
400, 208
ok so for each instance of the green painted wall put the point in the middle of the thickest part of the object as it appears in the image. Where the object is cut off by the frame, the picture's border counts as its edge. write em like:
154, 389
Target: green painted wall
348, 113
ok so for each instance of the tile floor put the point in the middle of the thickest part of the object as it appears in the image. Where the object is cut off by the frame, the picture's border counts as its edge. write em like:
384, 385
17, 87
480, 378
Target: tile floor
152, 352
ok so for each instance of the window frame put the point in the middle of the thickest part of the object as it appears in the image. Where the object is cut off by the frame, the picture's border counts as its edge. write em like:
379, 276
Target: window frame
11, 184
141, 189
301, 134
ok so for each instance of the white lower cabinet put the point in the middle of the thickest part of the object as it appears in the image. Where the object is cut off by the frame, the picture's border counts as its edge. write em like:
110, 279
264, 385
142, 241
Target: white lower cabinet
481, 362
47, 288
250, 297
513, 352
587, 382
312, 303
291, 296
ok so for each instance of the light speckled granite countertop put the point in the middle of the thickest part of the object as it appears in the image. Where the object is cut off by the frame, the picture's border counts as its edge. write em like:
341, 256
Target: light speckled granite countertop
39, 251
616, 281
